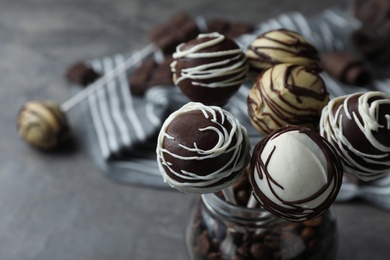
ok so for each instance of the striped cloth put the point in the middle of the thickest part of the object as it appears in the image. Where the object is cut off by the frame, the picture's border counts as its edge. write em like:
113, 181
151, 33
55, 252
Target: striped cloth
124, 127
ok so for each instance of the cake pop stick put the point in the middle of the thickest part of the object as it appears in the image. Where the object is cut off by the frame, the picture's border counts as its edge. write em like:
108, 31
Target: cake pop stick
358, 125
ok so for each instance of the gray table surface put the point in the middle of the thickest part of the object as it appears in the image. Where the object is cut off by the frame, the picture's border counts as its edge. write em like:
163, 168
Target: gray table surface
58, 205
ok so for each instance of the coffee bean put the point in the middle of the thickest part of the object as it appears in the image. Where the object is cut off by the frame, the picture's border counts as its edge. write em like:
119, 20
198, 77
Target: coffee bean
214, 256
313, 222
307, 233
203, 244
259, 251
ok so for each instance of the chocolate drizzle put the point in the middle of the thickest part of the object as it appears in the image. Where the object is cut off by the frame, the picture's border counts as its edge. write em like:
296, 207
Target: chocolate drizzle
278, 98
209, 69
282, 46
295, 210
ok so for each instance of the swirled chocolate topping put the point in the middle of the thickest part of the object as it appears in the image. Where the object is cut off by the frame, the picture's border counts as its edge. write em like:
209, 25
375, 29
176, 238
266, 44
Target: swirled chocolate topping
287, 94
358, 125
42, 124
202, 149
281, 46
209, 69
295, 173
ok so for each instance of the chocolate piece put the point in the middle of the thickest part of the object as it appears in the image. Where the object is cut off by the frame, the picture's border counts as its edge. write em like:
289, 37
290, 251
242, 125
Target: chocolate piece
372, 47
230, 29
150, 74
345, 68
371, 12
178, 29
81, 74
372, 39
209, 69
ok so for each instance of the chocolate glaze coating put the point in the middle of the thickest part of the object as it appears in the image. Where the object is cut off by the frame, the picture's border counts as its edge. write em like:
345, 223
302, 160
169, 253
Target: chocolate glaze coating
209, 69
304, 208
202, 149
358, 125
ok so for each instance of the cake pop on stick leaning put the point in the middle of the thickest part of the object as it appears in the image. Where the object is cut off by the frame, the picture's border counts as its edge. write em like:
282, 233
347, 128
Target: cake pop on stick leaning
43, 124
358, 125
295, 173
202, 149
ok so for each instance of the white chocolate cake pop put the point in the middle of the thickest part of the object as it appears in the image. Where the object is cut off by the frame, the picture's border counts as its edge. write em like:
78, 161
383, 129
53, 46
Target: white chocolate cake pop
281, 46
295, 173
358, 125
202, 149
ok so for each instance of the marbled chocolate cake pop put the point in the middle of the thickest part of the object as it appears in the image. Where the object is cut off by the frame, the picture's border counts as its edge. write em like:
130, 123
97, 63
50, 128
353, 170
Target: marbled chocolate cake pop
295, 173
358, 125
209, 69
287, 94
281, 46
42, 124
202, 149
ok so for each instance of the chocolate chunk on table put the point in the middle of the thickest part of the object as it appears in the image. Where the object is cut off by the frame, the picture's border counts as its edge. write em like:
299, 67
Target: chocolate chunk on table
149, 74
228, 28
81, 74
180, 28
345, 68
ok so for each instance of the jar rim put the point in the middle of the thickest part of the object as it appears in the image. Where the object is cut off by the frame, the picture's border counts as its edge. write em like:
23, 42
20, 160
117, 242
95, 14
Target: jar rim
239, 214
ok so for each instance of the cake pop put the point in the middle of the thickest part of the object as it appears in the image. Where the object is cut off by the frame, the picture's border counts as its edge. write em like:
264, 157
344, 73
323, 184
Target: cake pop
295, 173
287, 94
358, 125
202, 149
209, 69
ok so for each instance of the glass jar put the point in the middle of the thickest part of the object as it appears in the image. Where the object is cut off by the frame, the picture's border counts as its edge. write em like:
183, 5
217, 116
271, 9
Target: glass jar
220, 230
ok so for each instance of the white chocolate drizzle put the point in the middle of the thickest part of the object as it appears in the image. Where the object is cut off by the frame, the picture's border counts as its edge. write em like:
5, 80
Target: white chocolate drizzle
234, 64
331, 128
191, 181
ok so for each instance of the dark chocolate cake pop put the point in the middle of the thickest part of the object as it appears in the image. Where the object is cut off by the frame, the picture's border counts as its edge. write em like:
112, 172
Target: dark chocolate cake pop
209, 69
202, 149
358, 125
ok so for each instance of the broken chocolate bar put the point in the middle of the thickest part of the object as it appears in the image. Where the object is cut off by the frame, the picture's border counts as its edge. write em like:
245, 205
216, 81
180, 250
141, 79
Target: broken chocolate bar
345, 68
229, 29
82, 74
149, 74
178, 29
